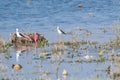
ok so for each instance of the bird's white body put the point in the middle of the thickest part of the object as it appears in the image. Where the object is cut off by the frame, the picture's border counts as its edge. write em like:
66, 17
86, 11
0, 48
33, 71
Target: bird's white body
60, 31
17, 33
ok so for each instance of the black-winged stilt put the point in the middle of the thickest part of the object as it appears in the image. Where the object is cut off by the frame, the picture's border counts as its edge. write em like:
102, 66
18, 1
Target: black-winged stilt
19, 35
60, 31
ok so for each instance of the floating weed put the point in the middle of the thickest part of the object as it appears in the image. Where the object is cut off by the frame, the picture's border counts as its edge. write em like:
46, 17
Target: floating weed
100, 59
101, 52
93, 79
116, 76
4, 46
74, 78
112, 57
8, 57
78, 43
116, 27
77, 60
4, 79
118, 59
42, 55
43, 43
108, 70
47, 72
115, 43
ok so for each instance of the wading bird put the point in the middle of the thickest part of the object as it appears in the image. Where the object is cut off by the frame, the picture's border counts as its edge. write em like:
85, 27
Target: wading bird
60, 32
19, 35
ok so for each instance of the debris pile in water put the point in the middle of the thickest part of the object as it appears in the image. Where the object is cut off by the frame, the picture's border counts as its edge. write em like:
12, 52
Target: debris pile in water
28, 39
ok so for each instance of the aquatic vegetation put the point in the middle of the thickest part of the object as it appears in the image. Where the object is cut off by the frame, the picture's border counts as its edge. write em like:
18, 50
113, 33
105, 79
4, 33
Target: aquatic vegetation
112, 57
101, 52
114, 43
4, 79
78, 60
3, 67
115, 27
100, 59
47, 72
4, 46
118, 59
93, 79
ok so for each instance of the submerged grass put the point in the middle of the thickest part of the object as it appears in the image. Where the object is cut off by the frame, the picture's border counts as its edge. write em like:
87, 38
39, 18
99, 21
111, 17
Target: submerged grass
115, 43
4, 79
4, 46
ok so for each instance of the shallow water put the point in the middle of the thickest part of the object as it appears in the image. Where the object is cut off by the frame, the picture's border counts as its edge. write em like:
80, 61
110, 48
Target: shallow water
75, 63
43, 16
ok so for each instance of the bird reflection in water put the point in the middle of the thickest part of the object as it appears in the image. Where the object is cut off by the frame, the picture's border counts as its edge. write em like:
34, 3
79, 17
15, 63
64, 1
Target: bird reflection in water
19, 51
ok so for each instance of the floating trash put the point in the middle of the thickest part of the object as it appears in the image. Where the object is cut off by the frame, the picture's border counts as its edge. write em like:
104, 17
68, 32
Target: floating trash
64, 73
88, 57
16, 67
36, 58
80, 5
29, 39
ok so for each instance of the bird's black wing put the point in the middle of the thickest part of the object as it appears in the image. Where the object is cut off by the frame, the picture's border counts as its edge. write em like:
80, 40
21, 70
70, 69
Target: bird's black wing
62, 32
22, 34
